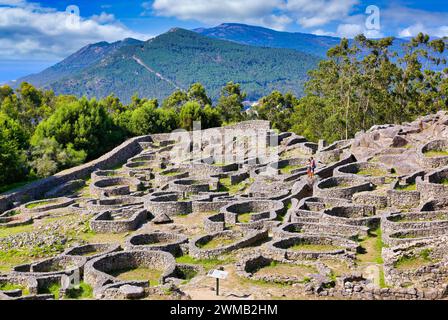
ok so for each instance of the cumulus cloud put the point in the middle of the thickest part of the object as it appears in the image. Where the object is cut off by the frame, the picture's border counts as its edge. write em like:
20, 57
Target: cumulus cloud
267, 13
408, 22
317, 13
30, 31
413, 30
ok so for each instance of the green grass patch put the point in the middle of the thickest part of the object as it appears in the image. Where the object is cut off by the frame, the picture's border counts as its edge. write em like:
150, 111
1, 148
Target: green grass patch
38, 204
436, 153
5, 232
12, 286
372, 172
371, 248
414, 262
408, 187
244, 217
307, 247
53, 289
170, 174
207, 264
279, 268
217, 242
226, 186
382, 279
289, 168
81, 292
140, 274
187, 275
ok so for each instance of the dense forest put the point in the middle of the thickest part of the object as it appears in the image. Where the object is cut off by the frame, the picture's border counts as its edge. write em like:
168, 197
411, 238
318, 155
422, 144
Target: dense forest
361, 83
175, 60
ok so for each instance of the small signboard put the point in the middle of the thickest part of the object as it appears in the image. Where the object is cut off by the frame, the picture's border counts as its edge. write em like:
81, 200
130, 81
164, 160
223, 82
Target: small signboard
218, 274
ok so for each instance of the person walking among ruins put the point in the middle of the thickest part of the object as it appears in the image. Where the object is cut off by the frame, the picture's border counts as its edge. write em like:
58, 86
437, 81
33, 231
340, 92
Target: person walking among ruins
311, 167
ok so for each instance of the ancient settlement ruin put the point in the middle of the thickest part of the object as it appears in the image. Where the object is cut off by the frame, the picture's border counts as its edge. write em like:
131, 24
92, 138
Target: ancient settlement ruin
149, 219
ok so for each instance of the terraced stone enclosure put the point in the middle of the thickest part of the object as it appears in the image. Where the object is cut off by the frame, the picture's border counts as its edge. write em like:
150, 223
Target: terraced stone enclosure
149, 219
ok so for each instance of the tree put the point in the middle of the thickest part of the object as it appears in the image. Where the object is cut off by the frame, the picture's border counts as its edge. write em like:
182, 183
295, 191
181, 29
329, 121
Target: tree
197, 93
230, 103
50, 157
13, 167
144, 119
84, 124
277, 109
190, 112
176, 100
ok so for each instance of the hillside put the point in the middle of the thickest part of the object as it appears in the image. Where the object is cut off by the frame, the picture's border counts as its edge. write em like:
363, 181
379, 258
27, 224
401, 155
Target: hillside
264, 37
174, 60
85, 57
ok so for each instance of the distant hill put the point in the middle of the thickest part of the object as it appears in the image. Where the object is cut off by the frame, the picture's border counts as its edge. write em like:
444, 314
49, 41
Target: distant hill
85, 57
173, 60
264, 37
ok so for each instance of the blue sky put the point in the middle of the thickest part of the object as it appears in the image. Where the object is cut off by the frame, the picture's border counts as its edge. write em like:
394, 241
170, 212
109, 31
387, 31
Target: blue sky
35, 34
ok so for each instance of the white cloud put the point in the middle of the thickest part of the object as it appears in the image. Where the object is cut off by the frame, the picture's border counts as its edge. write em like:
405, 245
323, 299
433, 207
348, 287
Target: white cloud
310, 14
29, 31
267, 13
413, 30
104, 18
321, 32
349, 30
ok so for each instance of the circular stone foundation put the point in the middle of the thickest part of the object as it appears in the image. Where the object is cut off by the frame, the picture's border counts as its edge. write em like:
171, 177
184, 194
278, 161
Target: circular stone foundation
129, 266
189, 186
46, 205
169, 242
261, 268
341, 187
311, 247
373, 172
93, 250
115, 186
434, 154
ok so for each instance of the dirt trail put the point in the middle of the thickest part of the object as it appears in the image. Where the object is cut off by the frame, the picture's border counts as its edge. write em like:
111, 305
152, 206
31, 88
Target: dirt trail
158, 75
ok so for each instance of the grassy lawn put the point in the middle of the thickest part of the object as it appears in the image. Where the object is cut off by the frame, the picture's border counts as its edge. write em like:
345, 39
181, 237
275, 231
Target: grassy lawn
289, 168
39, 204
53, 289
226, 185
372, 172
436, 153
93, 237
371, 247
82, 292
10, 286
286, 269
139, 274
5, 232
244, 217
414, 262
170, 174
306, 247
207, 264
409, 187
217, 242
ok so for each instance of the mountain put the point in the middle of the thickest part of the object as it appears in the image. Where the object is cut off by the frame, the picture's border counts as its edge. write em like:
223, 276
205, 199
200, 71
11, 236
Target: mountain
85, 57
263, 37
175, 60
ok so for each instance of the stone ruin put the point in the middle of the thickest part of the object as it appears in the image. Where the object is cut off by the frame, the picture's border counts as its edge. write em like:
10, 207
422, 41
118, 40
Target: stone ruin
152, 216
